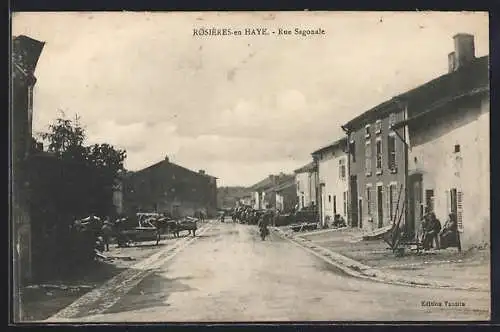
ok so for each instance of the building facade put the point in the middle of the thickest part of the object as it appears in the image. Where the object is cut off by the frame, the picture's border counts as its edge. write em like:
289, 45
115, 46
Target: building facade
263, 195
306, 179
286, 197
377, 167
333, 175
25, 54
448, 145
166, 187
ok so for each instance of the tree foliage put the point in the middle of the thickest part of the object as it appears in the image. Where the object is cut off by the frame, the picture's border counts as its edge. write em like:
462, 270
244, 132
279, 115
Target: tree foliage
102, 162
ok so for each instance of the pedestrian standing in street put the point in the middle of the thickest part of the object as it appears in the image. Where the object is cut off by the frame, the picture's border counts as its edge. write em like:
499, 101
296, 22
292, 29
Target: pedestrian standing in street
431, 231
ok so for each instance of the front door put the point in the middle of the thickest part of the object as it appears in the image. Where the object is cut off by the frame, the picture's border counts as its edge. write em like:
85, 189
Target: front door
380, 207
353, 185
415, 206
360, 214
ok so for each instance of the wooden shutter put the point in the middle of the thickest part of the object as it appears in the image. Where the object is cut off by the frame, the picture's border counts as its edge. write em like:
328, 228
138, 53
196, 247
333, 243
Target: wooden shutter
448, 201
460, 211
388, 215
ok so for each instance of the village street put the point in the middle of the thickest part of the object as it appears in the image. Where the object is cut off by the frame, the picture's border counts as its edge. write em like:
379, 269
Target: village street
229, 274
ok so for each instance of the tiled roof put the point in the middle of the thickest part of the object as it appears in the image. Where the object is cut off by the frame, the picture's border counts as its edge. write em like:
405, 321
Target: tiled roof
311, 167
340, 143
445, 87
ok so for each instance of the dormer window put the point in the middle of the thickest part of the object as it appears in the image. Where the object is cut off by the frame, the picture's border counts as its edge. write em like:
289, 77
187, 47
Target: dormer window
367, 131
378, 127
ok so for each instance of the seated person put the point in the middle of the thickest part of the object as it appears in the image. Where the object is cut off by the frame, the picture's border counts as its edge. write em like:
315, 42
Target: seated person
449, 234
338, 221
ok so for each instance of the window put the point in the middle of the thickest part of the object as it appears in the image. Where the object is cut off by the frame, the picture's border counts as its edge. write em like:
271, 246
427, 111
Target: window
457, 148
334, 204
456, 198
352, 150
429, 200
368, 158
342, 169
298, 185
329, 198
367, 131
391, 153
379, 156
378, 127
345, 203
392, 119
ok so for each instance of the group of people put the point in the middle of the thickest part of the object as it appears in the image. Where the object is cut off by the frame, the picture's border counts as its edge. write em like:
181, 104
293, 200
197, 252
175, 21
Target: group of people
434, 234
248, 215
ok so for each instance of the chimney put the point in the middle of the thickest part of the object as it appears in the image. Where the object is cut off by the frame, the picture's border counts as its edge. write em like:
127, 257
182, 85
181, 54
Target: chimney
201, 171
464, 50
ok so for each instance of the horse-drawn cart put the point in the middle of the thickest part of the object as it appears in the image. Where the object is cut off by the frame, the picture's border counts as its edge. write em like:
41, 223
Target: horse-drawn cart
144, 231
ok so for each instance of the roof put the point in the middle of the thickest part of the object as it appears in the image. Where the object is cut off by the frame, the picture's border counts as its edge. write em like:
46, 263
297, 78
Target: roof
441, 89
439, 105
340, 143
284, 185
311, 167
25, 53
268, 183
263, 184
169, 163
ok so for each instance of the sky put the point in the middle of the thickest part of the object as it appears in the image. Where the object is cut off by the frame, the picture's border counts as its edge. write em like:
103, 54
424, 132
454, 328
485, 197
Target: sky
238, 107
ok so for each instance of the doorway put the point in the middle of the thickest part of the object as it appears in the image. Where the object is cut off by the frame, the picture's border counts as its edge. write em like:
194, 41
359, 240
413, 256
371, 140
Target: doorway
380, 206
415, 208
355, 216
360, 214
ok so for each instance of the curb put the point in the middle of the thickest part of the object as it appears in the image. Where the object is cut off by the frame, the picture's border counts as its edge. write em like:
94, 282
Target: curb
359, 270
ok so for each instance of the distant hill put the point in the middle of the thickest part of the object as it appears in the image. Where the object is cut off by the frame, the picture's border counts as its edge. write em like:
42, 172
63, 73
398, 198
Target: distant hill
228, 196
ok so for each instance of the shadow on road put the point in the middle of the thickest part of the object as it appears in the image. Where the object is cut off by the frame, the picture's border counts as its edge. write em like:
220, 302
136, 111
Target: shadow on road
152, 291
45, 298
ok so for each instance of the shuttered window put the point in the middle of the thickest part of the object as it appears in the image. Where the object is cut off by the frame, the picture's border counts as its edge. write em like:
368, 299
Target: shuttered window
460, 211
379, 155
392, 119
378, 127
342, 169
368, 158
391, 152
429, 200
368, 201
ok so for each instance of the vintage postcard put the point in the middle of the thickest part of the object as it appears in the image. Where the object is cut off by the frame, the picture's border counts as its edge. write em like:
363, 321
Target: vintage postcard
250, 166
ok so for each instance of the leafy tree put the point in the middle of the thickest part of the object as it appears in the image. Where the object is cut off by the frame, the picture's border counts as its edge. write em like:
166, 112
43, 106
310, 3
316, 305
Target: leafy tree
100, 164
65, 136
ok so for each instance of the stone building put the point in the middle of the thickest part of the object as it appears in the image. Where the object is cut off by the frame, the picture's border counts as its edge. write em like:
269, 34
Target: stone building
448, 145
170, 188
422, 148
